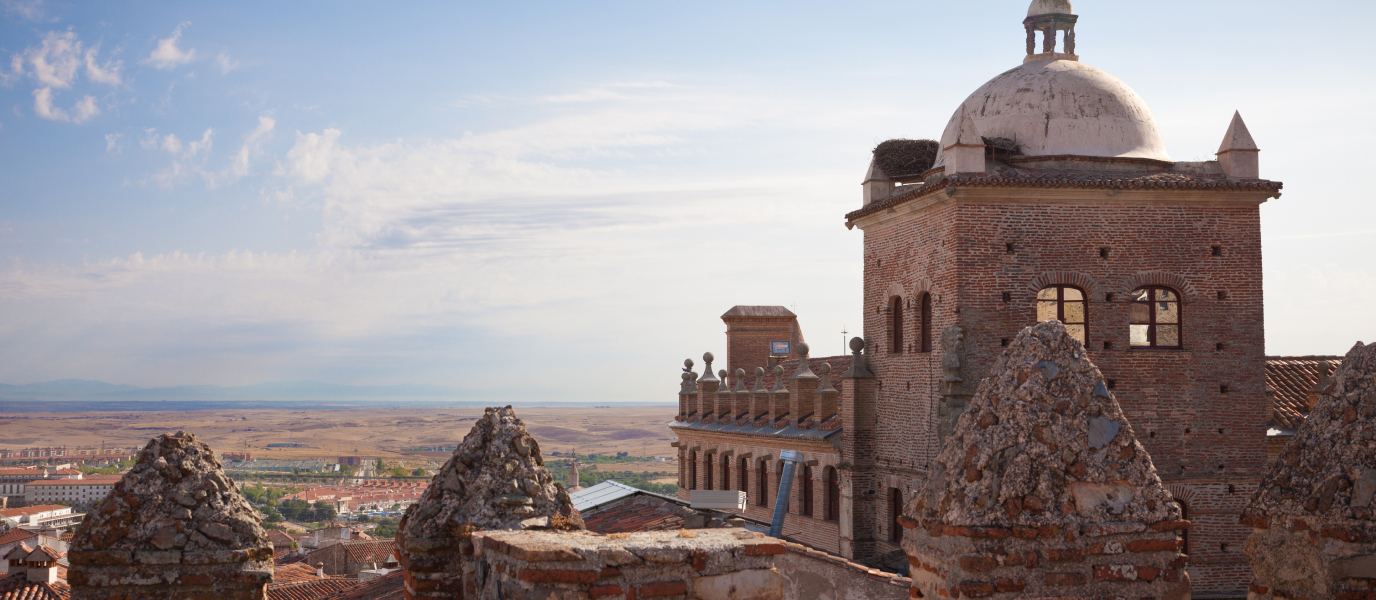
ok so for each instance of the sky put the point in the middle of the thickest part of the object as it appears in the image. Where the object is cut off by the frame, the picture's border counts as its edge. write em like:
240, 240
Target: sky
566, 196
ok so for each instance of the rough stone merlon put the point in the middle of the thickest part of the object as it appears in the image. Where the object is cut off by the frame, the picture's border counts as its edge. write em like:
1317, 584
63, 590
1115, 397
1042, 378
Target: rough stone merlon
1043, 443
495, 479
759, 311
1329, 470
1012, 177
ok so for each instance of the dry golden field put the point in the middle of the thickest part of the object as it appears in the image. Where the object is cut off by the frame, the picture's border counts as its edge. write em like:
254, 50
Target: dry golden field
386, 433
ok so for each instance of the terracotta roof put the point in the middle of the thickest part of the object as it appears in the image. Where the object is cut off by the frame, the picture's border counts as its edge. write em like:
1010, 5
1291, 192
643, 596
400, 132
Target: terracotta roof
1005, 176
16, 535
1290, 378
88, 480
387, 587
635, 514
295, 572
378, 551
30, 510
280, 540
310, 590
17, 587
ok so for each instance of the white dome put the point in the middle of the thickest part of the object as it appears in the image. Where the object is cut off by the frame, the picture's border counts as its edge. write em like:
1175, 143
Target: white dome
1062, 107
1050, 7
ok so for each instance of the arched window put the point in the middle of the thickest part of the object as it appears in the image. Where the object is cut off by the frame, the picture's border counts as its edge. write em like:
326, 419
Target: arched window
806, 483
925, 325
762, 482
743, 478
693, 470
707, 481
726, 472
1065, 304
833, 495
896, 328
1155, 319
895, 509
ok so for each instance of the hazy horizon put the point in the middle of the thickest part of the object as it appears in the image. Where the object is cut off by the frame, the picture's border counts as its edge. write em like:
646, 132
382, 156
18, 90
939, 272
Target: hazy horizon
566, 197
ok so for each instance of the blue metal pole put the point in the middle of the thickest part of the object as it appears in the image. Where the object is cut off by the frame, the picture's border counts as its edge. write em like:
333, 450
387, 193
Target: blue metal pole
791, 459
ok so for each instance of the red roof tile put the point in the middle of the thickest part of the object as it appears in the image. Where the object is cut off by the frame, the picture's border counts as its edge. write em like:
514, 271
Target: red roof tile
17, 587
1290, 378
1005, 176
387, 587
16, 535
378, 551
637, 513
310, 590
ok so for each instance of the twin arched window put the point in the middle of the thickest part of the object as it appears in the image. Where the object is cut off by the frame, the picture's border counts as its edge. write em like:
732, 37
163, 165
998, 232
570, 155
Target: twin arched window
1154, 321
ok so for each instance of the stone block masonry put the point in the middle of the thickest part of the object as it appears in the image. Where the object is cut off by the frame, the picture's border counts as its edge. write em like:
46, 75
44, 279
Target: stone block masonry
1042, 490
1313, 520
723, 564
174, 527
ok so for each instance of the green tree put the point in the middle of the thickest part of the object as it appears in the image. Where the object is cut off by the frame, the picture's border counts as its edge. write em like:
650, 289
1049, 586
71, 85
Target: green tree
386, 529
418, 473
296, 510
381, 467
323, 511
400, 472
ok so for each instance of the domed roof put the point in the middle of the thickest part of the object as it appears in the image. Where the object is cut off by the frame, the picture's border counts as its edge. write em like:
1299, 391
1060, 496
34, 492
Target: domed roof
1061, 107
1050, 7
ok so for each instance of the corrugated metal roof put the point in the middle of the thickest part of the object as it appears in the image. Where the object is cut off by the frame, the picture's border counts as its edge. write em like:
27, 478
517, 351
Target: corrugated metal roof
600, 494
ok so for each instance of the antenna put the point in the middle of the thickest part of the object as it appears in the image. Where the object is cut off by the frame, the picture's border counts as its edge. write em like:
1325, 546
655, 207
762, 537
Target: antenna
843, 340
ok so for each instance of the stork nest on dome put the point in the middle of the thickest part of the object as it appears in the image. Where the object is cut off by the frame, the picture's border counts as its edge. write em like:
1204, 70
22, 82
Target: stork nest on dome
906, 158
1003, 146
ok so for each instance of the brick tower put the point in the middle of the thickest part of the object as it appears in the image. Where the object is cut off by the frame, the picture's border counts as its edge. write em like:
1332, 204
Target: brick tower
1050, 196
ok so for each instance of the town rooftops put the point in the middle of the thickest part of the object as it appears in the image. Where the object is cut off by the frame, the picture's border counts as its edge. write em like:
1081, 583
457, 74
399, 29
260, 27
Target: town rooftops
1291, 379
31, 510
376, 551
387, 587
89, 480
16, 535
16, 586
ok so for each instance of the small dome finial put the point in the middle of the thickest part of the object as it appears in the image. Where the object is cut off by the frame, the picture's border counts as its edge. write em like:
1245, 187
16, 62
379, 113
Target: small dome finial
1050, 7
1049, 17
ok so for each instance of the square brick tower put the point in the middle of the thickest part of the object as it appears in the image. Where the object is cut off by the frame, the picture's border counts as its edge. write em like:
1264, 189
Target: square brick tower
1051, 196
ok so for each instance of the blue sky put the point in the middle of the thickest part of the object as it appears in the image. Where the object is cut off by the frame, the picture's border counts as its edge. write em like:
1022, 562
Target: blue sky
568, 195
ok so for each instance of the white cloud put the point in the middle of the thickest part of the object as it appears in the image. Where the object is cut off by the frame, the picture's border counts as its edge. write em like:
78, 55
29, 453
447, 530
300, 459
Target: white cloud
226, 63
168, 55
112, 142
55, 62
310, 157
107, 73
253, 144
28, 9
84, 110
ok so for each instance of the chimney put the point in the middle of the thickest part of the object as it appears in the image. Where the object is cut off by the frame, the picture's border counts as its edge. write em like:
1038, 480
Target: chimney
1238, 155
320, 570
964, 148
15, 558
41, 566
752, 332
877, 184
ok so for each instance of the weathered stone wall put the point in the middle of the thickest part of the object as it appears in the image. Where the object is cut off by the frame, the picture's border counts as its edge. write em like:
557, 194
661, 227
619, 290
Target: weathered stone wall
1313, 519
724, 564
1042, 490
173, 527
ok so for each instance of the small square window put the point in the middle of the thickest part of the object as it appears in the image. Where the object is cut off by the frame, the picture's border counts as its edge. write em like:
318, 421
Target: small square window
1003, 342
1112, 383
1220, 346
1108, 345
1223, 389
1009, 246
1105, 251
1218, 250
1007, 297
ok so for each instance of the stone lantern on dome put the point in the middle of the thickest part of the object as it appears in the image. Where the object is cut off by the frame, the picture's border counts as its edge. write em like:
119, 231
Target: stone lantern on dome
1049, 17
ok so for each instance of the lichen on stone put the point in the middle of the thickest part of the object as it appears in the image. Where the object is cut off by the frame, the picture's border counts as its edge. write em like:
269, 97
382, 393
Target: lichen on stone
175, 498
495, 479
1042, 443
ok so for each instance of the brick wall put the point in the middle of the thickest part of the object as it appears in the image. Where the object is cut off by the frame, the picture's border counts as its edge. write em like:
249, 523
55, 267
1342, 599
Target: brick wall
957, 248
724, 564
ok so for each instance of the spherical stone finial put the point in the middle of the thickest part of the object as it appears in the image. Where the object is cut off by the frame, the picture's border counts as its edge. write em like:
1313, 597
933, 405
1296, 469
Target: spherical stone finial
1050, 7
708, 358
740, 373
824, 369
856, 344
687, 375
722, 374
759, 371
778, 370
688, 363
802, 349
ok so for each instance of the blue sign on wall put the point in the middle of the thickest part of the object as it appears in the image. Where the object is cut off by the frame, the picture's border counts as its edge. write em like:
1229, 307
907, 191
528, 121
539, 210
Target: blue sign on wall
779, 348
